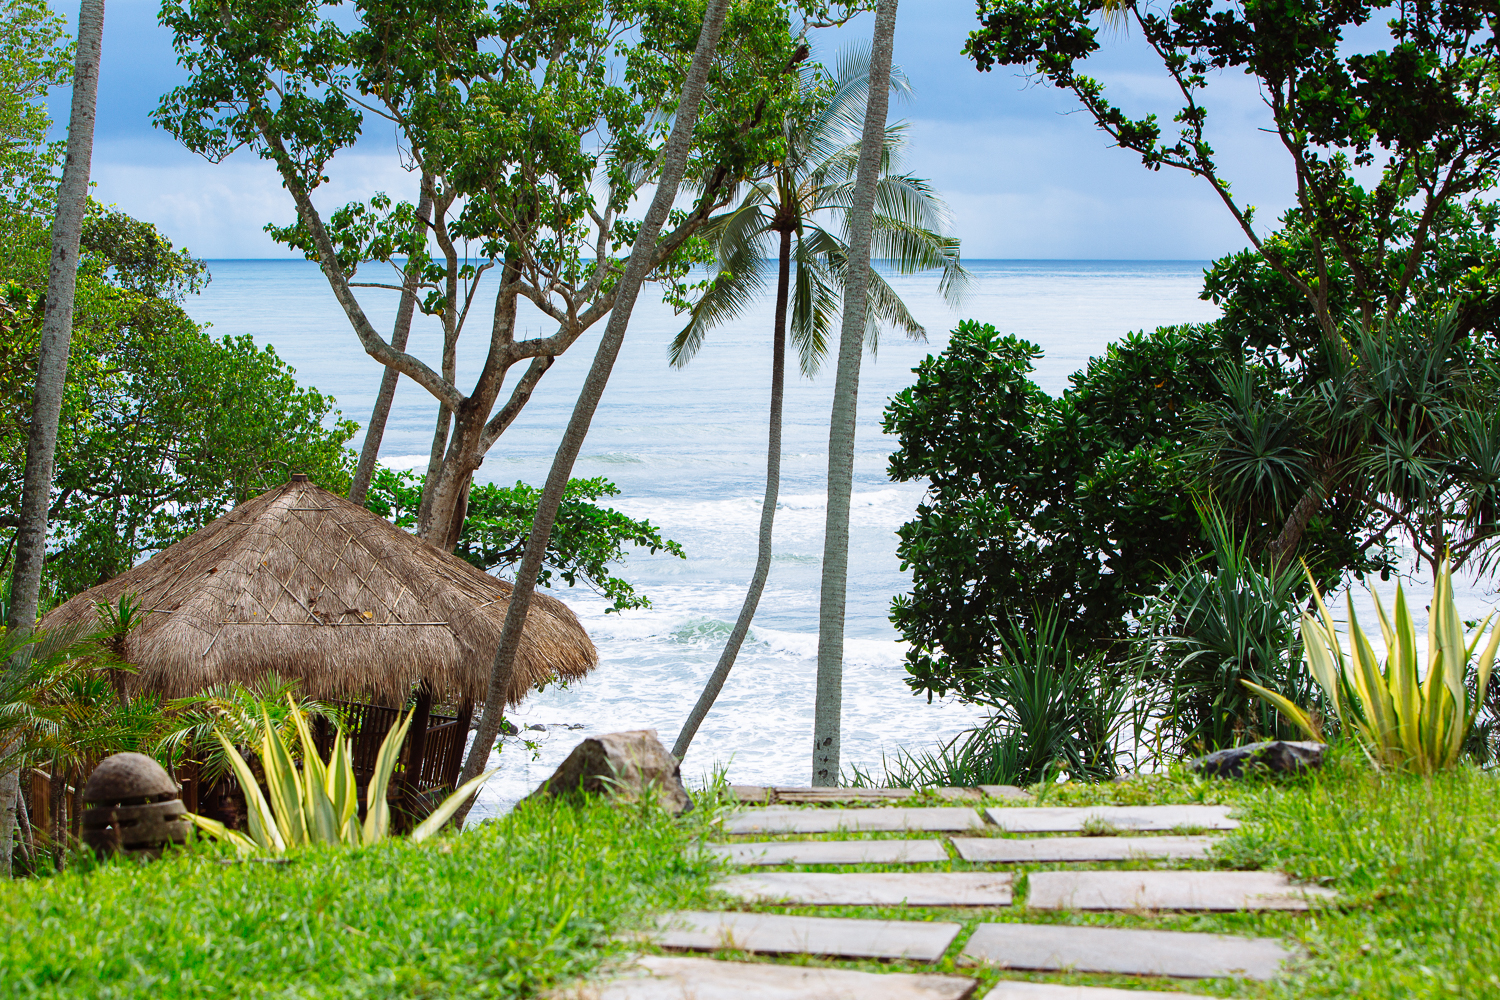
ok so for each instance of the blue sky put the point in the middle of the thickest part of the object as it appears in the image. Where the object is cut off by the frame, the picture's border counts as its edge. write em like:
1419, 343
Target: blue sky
1027, 174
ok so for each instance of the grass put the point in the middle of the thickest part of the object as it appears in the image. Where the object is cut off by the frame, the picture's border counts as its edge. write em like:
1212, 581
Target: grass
507, 909
1416, 861
511, 909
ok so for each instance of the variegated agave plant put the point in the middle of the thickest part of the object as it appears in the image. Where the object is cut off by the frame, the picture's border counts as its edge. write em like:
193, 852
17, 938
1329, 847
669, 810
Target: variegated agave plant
318, 803
1404, 717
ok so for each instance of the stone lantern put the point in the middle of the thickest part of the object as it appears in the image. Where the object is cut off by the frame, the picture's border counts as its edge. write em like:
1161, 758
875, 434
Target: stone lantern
131, 806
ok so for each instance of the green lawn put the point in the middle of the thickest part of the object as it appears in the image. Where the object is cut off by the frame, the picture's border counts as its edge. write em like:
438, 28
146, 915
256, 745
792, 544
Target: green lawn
507, 909
514, 907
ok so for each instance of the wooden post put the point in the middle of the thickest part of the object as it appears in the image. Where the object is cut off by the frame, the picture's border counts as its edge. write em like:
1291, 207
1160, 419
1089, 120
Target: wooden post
41, 800
465, 719
416, 745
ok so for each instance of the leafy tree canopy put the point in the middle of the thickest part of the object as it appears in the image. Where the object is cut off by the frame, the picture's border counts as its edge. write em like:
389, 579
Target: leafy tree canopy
34, 56
587, 540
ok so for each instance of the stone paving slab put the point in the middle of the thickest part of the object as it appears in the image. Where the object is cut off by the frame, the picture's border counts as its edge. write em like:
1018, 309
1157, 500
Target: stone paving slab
1051, 991
1056, 948
922, 940
832, 852
832, 820
1005, 791
1023, 819
671, 977
1007, 850
1172, 890
793, 795
873, 888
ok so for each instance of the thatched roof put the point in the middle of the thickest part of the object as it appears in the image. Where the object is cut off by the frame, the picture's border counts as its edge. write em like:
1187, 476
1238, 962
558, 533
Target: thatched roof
304, 583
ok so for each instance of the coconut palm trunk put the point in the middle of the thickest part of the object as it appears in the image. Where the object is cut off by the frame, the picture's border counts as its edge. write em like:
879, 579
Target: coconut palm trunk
829, 704
767, 511
52, 362
642, 254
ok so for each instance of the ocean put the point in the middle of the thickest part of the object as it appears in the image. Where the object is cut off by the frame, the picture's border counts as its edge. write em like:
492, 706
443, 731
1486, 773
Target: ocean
687, 449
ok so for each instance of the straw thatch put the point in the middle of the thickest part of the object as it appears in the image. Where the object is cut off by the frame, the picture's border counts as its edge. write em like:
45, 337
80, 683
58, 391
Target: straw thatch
304, 583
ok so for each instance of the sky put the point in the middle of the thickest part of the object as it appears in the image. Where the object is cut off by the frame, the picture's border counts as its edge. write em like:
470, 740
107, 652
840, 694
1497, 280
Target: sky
1026, 174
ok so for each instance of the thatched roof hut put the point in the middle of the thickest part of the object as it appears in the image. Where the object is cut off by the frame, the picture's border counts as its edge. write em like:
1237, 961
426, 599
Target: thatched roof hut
304, 583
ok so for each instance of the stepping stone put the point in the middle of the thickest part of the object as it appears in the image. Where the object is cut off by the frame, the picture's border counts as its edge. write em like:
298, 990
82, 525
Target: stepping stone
1013, 851
1005, 791
1073, 820
1056, 948
832, 852
873, 888
672, 977
750, 793
831, 820
922, 940
1078, 890
1049, 991
959, 794
815, 796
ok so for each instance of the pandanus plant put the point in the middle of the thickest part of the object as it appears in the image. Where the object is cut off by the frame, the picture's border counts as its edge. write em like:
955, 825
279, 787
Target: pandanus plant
1403, 718
319, 802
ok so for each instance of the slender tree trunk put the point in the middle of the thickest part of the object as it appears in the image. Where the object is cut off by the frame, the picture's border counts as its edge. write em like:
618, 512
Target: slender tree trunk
642, 256
1284, 545
57, 341
375, 430
829, 704
767, 514
10, 791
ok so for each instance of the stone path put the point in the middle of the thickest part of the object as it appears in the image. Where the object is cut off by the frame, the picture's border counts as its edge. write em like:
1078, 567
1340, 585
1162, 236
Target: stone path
924, 941
873, 888
832, 852
1022, 819
880, 820
1007, 850
1169, 891
668, 977
1020, 946
1056, 947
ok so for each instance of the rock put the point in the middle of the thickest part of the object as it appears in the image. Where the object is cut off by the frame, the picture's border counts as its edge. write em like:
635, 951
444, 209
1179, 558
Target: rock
628, 765
538, 727
1280, 756
508, 728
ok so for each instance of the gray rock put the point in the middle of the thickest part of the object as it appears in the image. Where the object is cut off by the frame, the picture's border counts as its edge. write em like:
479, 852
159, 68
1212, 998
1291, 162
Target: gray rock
630, 766
1279, 756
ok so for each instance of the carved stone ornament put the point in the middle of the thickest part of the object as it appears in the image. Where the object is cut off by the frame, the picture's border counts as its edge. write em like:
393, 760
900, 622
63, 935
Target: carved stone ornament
132, 806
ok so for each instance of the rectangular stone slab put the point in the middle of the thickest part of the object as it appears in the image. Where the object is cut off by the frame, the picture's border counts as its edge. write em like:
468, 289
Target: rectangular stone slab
1051, 991
922, 940
832, 852
1006, 850
811, 796
872, 888
1005, 791
1082, 890
832, 820
673, 977
1040, 819
1055, 948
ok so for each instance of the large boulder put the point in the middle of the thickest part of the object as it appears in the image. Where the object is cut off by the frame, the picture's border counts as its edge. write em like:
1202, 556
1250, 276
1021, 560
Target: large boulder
629, 766
1279, 756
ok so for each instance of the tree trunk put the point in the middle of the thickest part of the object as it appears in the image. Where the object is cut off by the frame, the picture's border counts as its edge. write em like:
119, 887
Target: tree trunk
57, 325
10, 791
829, 704
767, 513
1284, 545
375, 430
642, 257
57, 340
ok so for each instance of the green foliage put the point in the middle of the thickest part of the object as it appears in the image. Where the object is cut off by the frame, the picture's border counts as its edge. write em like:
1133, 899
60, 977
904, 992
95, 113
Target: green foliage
511, 908
1416, 101
163, 428
1221, 619
1405, 714
318, 802
1075, 504
806, 189
238, 712
586, 539
34, 56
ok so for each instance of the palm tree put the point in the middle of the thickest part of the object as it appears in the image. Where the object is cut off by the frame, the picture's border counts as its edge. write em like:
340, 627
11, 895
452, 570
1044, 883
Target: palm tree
785, 218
